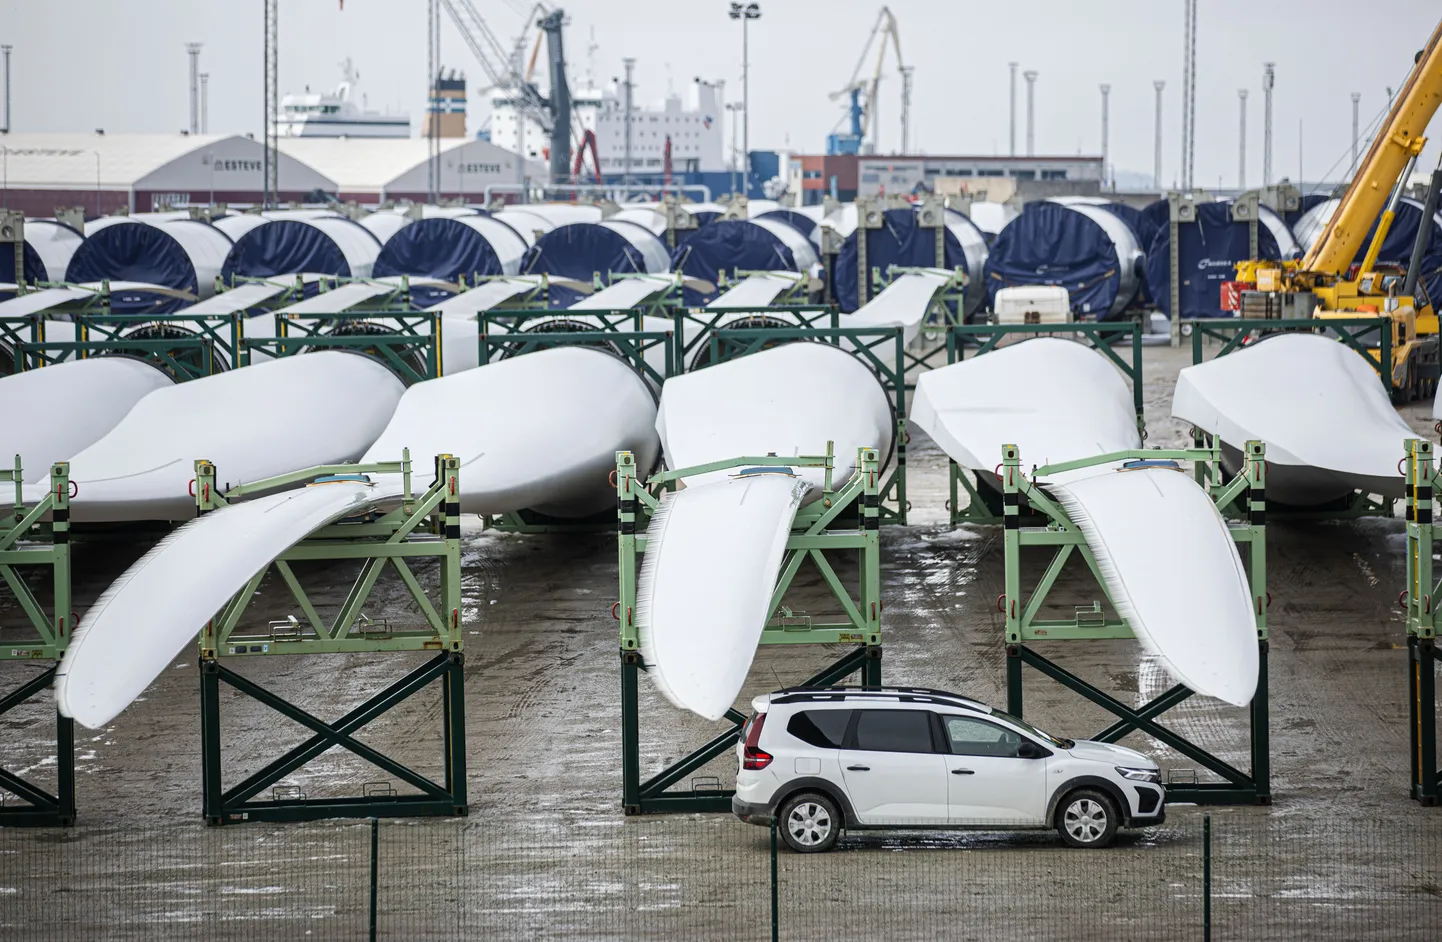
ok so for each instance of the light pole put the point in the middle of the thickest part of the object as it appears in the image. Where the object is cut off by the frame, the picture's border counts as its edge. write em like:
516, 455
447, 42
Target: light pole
1242, 140
1356, 129
97, 181
205, 103
733, 107
1106, 100
745, 13
5, 51
1030, 113
193, 50
1157, 155
630, 68
1012, 66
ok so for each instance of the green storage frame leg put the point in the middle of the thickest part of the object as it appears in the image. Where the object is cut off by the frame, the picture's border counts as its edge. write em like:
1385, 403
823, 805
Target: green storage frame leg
27, 541
425, 526
815, 534
1422, 588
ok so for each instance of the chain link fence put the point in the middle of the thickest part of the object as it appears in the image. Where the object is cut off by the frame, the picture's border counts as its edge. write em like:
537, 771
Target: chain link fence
1236, 874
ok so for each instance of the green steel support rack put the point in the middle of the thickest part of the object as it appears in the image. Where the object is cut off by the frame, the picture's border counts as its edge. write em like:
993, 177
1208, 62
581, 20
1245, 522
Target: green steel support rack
1422, 618
426, 526
1361, 334
983, 507
1024, 624
27, 542
813, 536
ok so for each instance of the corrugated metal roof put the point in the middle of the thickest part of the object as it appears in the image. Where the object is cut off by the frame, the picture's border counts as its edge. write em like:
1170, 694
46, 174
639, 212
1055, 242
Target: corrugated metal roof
146, 161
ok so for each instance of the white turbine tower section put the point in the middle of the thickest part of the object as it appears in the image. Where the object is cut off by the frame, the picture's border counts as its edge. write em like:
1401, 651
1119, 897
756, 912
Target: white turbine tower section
1318, 405
1075, 405
52, 413
550, 449
720, 530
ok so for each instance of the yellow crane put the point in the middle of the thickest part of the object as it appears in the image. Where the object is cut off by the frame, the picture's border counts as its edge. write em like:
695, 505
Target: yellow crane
1325, 280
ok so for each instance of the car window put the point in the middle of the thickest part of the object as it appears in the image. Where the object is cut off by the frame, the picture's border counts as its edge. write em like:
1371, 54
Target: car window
893, 731
823, 728
973, 737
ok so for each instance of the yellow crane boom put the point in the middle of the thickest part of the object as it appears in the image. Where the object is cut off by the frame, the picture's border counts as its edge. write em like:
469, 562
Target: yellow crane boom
1395, 146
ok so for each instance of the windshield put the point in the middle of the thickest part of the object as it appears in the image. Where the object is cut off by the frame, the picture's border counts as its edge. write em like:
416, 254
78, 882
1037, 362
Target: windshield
1040, 734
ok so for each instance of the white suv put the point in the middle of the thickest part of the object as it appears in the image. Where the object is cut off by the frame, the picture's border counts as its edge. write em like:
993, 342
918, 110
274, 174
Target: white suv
820, 760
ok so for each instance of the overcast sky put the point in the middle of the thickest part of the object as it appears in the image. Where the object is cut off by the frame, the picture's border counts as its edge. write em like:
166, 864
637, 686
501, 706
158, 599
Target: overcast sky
82, 64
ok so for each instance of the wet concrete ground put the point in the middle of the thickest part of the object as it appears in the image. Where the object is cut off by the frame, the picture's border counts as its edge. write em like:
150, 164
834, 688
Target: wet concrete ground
546, 852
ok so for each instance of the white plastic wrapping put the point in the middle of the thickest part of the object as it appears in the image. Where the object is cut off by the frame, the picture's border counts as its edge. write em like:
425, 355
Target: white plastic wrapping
1197, 617
698, 655
731, 532
52, 413
903, 303
140, 470
129, 636
1318, 405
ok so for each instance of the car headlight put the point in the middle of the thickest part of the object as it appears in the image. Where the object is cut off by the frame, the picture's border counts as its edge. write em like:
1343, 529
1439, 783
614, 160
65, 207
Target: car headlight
1141, 775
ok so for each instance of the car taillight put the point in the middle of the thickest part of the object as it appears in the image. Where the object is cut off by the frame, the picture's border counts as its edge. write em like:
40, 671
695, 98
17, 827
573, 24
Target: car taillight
751, 755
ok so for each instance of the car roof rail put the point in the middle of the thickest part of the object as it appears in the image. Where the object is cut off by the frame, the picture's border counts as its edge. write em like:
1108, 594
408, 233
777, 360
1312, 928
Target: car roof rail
900, 694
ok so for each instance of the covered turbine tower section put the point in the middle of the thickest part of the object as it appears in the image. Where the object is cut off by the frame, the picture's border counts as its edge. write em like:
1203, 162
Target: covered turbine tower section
1209, 252
1085, 249
465, 247
902, 241
49, 247
183, 254
319, 246
728, 246
584, 249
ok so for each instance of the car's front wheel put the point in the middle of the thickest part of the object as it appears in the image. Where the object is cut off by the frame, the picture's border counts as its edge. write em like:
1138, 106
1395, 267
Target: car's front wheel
1087, 818
810, 823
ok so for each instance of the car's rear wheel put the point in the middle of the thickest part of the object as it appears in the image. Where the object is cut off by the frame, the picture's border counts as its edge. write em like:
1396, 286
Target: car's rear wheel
1087, 818
810, 823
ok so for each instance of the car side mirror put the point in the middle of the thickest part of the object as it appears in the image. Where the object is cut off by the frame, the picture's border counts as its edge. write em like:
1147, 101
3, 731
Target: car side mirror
1027, 749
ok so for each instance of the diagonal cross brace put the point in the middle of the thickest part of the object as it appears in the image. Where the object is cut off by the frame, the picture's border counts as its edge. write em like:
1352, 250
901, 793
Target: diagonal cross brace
1141, 720
337, 734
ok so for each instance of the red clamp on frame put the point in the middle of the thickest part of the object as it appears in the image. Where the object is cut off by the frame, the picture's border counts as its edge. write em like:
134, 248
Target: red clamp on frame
191, 487
616, 611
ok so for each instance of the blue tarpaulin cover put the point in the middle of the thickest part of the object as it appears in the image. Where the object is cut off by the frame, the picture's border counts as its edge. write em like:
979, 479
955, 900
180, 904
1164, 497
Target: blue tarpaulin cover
1209, 251
135, 252
438, 248
582, 249
1156, 216
285, 247
1308, 201
1133, 217
1397, 247
899, 241
728, 245
1049, 244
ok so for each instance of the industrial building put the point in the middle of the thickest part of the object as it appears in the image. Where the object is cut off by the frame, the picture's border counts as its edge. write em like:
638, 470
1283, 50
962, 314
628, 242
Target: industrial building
108, 173
848, 176
375, 169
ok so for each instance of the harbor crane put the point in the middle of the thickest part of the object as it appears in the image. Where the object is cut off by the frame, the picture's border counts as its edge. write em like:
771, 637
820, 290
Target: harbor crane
861, 92
1326, 283
503, 68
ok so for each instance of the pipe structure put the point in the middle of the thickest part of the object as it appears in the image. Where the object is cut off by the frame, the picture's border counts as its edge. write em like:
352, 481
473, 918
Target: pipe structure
630, 118
1328, 424
597, 189
5, 51
1269, 79
1356, 131
1075, 405
1106, 91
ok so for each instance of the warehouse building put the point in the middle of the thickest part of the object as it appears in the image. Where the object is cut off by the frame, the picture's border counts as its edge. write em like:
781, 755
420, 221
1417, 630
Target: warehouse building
374, 169
107, 173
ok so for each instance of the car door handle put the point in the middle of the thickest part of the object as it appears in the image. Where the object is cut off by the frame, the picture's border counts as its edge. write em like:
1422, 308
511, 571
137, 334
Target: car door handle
858, 768
962, 772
